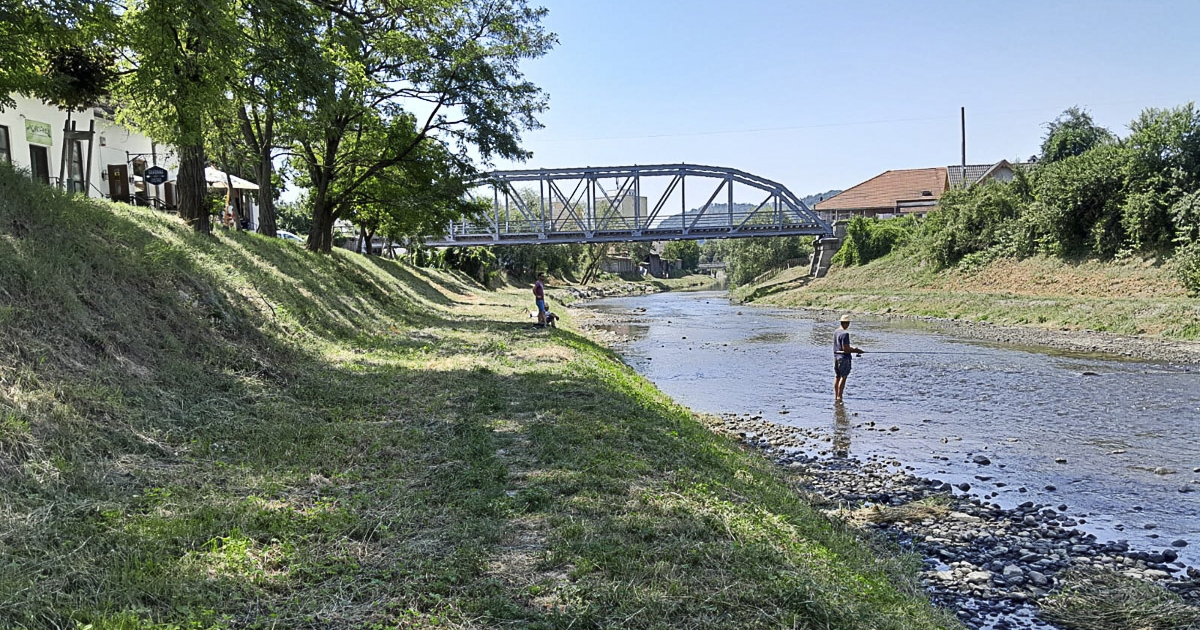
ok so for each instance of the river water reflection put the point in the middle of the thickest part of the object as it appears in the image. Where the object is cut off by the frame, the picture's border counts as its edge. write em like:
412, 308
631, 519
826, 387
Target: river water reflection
1114, 422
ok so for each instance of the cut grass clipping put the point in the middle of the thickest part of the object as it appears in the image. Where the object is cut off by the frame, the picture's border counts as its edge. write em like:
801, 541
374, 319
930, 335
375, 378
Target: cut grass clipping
1096, 599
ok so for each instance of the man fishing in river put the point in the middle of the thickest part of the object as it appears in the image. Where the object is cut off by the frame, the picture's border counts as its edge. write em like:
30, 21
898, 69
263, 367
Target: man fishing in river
841, 357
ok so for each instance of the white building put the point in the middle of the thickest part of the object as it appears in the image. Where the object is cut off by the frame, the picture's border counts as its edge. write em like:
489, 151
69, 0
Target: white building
88, 151
95, 155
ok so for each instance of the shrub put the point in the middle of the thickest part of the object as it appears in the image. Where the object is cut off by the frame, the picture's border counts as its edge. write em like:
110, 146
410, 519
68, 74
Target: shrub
1079, 202
870, 239
974, 220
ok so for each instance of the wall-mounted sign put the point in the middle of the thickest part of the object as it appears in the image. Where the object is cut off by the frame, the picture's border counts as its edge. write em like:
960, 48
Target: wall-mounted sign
156, 175
38, 132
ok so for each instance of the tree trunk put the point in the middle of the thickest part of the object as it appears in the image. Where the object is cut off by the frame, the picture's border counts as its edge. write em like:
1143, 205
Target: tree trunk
191, 188
266, 195
364, 239
263, 170
320, 238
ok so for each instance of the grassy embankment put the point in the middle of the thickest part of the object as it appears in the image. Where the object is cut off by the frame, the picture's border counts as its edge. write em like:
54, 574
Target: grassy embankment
1132, 297
230, 432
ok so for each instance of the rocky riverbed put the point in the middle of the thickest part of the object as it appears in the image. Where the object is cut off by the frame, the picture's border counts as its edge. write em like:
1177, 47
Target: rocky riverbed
993, 566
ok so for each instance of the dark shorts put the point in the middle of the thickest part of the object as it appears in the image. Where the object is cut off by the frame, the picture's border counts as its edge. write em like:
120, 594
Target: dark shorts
841, 365
541, 305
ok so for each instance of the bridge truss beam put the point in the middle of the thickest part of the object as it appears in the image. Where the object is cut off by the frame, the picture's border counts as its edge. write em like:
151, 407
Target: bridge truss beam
574, 205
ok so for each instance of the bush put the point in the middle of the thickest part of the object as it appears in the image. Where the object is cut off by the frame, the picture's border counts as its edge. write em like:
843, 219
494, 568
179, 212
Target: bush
687, 251
976, 219
749, 258
526, 260
870, 239
1079, 202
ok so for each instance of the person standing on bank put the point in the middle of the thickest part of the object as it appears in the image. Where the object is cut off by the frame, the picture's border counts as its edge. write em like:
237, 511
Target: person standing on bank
841, 357
539, 297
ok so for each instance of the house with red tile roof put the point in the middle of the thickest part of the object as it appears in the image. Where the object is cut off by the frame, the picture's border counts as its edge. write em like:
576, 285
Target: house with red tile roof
909, 191
889, 194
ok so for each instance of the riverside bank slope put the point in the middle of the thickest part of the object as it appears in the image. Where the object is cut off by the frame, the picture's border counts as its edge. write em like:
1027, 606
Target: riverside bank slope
228, 431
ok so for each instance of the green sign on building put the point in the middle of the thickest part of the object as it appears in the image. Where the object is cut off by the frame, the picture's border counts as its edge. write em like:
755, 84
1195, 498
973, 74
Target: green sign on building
38, 132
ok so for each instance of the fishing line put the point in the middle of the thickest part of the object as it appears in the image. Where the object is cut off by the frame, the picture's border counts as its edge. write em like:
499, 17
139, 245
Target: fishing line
917, 352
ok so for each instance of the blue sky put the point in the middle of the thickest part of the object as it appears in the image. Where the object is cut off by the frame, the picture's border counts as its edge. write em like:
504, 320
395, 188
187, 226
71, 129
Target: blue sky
826, 95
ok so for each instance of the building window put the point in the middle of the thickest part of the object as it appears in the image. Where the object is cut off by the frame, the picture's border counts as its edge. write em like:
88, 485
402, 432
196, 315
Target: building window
5, 148
39, 163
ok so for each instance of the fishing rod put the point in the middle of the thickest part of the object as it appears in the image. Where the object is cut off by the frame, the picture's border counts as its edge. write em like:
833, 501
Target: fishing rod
917, 352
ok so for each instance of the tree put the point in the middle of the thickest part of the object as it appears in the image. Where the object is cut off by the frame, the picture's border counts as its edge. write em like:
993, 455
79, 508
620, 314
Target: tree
281, 68
57, 50
181, 68
1072, 133
415, 199
446, 72
687, 251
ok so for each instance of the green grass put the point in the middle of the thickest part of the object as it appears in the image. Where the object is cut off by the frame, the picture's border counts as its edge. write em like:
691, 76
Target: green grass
1129, 297
231, 432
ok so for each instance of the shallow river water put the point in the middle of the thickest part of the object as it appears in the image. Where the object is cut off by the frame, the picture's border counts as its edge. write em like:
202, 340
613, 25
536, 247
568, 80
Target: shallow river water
1129, 432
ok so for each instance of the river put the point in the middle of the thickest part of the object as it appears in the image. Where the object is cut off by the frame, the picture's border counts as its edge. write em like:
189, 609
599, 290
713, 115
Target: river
1115, 440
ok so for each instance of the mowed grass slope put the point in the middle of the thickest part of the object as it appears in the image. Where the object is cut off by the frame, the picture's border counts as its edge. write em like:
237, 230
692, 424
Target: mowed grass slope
1131, 297
231, 432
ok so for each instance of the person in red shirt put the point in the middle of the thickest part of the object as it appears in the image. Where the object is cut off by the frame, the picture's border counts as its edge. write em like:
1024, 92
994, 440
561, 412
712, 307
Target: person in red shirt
539, 297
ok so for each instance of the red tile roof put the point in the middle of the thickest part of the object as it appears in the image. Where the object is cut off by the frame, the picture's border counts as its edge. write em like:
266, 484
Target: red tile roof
884, 192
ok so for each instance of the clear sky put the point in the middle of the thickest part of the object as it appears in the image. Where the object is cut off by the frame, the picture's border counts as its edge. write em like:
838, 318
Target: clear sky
822, 95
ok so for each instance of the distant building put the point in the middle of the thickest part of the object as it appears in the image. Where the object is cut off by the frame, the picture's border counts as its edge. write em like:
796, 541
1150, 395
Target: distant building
88, 152
888, 194
971, 174
621, 215
909, 191
96, 156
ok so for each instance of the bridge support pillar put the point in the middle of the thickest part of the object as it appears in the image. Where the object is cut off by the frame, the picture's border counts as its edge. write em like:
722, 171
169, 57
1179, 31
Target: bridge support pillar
823, 251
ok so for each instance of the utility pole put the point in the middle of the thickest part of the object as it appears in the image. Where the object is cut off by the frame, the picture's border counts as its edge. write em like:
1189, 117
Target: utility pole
964, 147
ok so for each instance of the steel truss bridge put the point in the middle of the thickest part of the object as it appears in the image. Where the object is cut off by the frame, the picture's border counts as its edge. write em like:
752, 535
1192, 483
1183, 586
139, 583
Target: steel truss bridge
598, 205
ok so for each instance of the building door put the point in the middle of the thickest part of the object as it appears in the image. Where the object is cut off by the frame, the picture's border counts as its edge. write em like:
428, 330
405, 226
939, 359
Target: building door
169, 195
118, 182
39, 163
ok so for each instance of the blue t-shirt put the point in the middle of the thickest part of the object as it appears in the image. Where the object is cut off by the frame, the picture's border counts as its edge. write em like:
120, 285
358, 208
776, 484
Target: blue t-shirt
841, 338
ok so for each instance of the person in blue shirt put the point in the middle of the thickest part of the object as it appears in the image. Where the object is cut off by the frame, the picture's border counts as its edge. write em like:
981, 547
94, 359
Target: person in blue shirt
841, 357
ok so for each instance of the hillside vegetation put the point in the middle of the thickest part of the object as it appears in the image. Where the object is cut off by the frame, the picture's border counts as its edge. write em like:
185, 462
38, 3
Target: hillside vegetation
230, 432
1102, 233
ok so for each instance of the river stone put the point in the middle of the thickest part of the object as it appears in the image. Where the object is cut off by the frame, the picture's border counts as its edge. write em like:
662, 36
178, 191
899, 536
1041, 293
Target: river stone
1155, 574
1060, 460
964, 486
981, 460
1170, 555
1181, 543
1038, 578
1012, 570
978, 577
1163, 470
1186, 489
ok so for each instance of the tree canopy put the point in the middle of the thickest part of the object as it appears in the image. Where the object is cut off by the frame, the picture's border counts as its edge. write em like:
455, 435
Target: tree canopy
1072, 133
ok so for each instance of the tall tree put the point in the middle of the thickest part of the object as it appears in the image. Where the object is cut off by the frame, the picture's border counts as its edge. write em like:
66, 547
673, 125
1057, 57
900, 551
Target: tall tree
1072, 133
281, 68
411, 73
181, 68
